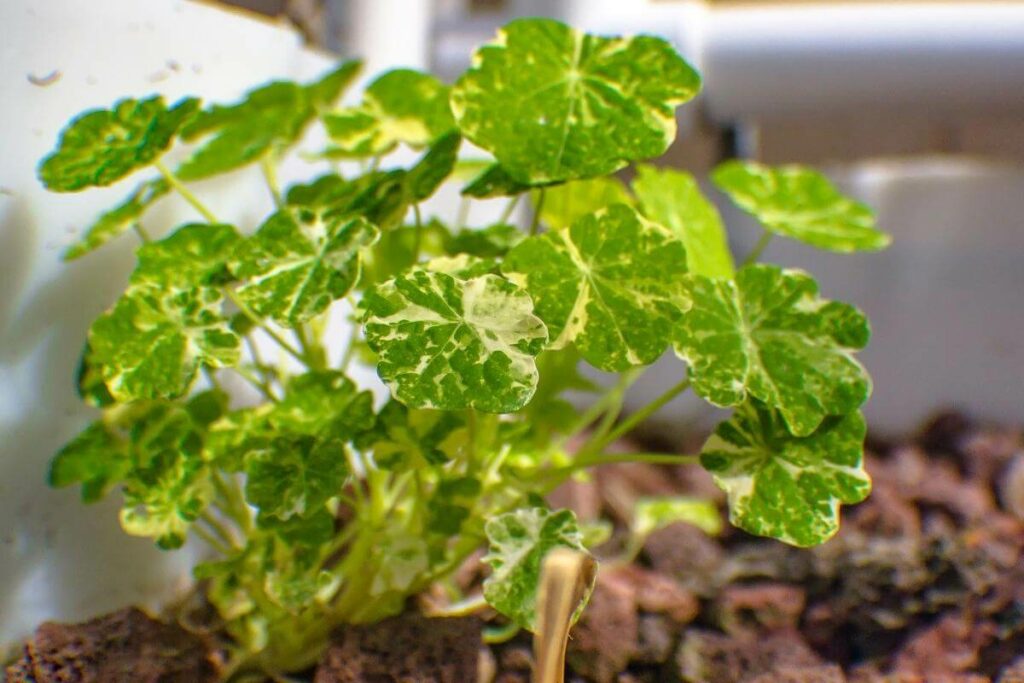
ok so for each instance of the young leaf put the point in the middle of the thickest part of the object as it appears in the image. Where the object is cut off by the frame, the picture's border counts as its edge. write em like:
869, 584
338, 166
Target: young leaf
651, 514
494, 181
294, 270
102, 146
801, 203
518, 543
165, 495
323, 403
326, 91
612, 284
152, 342
493, 241
673, 199
115, 221
193, 255
400, 106
296, 476
97, 459
266, 121
552, 103
768, 335
403, 437
784, 486
452, 344
567, 203
89, 381
433, 169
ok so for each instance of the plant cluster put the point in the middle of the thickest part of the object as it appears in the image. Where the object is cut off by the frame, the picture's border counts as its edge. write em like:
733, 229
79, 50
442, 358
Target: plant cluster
323, 506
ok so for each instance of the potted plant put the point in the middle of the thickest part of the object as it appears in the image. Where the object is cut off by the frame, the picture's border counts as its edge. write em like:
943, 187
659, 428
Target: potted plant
323, 507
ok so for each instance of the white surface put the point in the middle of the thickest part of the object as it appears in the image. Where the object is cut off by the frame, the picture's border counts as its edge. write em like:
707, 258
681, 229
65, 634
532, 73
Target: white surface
59, 559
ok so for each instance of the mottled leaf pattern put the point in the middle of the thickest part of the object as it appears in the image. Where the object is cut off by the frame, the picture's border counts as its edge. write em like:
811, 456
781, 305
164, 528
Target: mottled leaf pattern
294, 269
193, 255
518, 543
673, 199
153, 341
119, 219
784, 486
768, 335
102, 146
402, 105
565, 204
296, 476
801, 203
450, 344
553, 103
653, 513
612, 284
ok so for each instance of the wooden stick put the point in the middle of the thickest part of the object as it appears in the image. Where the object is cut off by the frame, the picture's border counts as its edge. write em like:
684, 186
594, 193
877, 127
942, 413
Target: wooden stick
566, 576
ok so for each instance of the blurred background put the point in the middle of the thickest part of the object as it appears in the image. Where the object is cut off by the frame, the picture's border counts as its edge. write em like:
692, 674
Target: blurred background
916, 108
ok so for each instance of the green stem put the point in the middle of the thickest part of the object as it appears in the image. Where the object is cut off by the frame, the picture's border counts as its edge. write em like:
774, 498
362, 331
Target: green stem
270, 176
462, 608
609, 404
218, 528
186, 193
141, 232
627, 425
758, 249
537, 210
417, 245
311, 351
251, 315
648, 458
509, 208
211, 378
463, 215
258, 384
211, 540
234, 499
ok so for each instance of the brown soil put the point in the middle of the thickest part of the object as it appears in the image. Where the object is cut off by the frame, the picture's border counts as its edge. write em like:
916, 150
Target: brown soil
923, 584
124, 646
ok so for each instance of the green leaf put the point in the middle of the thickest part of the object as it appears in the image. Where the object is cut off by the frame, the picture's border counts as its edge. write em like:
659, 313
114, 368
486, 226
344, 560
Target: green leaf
101, 146
152, 342
552, 103
326, 91
491, 242
92, 389
397, 250
404, 437
769, 336
296, 476
264, 123
612, 284
166, 492
801, 203
119, 219
433, 169
462, 267
673, 199
400, 106
783, 486
495, 181
565, 204
193, 255
452, 344
653, 513
97, 459
294, 270
323, 403
519, 541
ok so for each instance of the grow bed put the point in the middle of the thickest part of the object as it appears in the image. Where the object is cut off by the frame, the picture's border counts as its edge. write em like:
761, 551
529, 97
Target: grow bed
924, 582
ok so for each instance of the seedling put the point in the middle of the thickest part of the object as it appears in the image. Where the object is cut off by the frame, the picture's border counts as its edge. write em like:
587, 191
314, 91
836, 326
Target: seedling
322, 505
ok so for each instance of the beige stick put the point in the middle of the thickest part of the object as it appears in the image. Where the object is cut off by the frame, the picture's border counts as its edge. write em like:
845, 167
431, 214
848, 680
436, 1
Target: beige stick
565, 577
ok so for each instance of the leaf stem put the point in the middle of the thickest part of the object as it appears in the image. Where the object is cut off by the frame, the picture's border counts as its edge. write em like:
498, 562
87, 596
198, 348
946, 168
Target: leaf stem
627, 425
211, 540
509, 208
537, 210
270, 176
418, 243
462, 608
186, 193
141, 232
251, 315
648, 458
260, 385
463, 216
758, 249
237, 508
